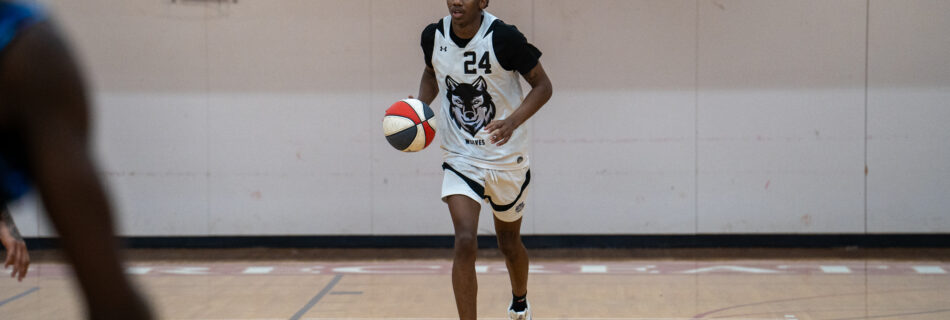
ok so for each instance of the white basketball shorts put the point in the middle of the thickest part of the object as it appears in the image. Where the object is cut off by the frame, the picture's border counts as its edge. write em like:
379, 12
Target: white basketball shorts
504, 190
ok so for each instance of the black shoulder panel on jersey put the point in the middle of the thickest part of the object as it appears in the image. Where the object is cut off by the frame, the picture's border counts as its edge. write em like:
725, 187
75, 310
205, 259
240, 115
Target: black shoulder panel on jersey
491, 28
512, 49
428, 40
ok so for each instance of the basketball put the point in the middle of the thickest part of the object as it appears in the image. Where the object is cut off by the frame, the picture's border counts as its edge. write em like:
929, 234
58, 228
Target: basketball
409, 125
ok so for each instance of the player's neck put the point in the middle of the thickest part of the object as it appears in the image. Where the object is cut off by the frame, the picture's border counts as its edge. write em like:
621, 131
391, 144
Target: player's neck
467, 30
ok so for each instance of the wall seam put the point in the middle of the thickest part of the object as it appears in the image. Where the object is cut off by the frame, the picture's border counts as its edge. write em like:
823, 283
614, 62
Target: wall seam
867, 50
696, 125
372, 155
207, 22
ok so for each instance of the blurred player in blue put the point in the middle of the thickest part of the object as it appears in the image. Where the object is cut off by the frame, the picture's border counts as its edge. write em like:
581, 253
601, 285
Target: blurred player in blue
44, 144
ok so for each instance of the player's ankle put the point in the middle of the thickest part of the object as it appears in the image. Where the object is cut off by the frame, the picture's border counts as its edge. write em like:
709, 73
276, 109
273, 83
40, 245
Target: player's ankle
518, 304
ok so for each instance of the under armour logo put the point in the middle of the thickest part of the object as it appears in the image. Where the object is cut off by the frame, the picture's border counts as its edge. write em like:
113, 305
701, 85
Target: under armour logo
443, 49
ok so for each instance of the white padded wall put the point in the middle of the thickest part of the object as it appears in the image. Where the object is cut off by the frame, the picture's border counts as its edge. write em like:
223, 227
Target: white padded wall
908, 116
614, 149
781, 116
668, 117
288, 92
147, 67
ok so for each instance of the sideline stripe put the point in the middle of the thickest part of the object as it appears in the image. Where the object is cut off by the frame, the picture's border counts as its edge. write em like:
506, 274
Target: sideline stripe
585, 318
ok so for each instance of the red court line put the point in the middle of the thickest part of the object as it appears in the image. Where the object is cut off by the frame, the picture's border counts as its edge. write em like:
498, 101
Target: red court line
639, 268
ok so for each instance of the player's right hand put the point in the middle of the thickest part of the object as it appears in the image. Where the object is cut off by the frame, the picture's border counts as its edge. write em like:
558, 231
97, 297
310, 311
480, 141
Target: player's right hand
17, 255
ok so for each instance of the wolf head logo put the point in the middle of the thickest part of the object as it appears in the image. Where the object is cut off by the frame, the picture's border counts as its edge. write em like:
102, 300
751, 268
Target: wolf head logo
471, 105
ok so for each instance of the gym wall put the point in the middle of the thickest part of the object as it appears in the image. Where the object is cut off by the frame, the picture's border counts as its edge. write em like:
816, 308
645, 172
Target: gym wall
669, 117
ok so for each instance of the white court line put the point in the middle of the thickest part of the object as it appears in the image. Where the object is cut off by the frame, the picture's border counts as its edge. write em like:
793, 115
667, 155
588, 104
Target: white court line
257, 270
835, 269
585, 318
929, 270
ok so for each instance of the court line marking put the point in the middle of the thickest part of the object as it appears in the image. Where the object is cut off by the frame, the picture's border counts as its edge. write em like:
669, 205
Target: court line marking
21, 295
585, 318
929, 270
555, 268
896, 314
836, 295
346, 292
316, 298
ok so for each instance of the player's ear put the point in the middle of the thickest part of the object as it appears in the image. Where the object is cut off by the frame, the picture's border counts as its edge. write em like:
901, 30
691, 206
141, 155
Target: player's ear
451, 83
483, 4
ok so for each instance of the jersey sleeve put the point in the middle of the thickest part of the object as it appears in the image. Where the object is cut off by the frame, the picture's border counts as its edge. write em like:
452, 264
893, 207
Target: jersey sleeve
428, 41
512, 49
14, 18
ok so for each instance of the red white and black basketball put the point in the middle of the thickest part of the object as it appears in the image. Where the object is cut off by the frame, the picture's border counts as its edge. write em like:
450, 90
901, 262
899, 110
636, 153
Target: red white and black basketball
409, 125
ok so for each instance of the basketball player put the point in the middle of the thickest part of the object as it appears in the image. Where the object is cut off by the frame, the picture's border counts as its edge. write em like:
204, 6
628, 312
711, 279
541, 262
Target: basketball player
473, 62
44, 142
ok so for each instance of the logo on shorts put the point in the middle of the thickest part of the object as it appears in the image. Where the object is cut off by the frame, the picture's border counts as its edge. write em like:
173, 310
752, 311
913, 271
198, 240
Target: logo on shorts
520, 159
519, 207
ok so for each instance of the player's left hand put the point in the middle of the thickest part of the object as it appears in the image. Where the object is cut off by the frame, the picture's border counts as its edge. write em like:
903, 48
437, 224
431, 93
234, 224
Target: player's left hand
17, 255
500, 131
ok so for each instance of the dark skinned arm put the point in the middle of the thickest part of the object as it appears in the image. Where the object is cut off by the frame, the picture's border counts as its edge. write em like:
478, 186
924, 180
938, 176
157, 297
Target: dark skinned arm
43, 85
428, 88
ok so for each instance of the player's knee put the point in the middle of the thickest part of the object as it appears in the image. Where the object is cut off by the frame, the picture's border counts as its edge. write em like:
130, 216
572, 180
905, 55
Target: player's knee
466, 244
510, 243
511, 250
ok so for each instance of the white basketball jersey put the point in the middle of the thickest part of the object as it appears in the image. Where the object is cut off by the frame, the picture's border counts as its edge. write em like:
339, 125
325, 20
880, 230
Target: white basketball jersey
475, 89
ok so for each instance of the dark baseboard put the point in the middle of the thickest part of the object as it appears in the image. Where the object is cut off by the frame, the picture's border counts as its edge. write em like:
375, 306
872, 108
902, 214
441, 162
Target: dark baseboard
539, 241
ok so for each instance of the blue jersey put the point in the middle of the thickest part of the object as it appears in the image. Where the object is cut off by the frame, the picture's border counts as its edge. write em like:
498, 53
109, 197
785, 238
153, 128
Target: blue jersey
14, 182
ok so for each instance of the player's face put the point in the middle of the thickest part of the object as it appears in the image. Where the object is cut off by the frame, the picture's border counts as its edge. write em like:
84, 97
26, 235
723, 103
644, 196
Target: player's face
466, 11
